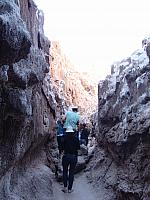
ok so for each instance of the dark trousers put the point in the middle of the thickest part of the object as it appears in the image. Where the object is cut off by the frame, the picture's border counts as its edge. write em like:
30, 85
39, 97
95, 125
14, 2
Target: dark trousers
69, 162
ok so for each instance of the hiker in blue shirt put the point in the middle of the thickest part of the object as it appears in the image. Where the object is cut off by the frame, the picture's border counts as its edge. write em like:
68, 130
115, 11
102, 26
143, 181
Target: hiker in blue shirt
72, 119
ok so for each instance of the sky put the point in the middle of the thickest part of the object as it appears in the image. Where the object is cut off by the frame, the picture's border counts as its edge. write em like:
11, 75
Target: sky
95, 33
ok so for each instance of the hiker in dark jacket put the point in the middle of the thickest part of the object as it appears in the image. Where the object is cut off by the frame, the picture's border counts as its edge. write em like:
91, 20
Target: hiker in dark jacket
84, 135
70, 147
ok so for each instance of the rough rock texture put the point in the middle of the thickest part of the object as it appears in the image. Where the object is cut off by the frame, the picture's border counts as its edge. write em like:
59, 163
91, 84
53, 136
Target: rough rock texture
74, 88
26, 111
14, 38
122, 159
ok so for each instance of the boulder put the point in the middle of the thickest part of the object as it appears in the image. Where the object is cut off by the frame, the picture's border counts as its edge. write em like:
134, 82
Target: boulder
83, 150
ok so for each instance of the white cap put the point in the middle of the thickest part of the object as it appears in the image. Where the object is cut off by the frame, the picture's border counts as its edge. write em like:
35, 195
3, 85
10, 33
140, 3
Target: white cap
74, 107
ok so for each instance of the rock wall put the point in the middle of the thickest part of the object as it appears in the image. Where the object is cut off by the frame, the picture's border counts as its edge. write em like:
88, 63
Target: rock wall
26, 111
121, 165
73, 87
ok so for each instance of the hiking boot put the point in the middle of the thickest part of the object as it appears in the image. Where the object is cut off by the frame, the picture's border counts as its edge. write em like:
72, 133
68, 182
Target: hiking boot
64, 190
70, 191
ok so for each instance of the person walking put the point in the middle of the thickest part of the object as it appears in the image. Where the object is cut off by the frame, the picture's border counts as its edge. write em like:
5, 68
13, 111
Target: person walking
60, 134
84, 134
70, 147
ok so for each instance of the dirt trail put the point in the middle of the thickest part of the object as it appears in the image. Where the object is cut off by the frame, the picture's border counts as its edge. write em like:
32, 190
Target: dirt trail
82, 190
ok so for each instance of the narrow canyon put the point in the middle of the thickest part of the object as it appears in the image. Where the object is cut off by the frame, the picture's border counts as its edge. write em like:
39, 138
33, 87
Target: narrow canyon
38, 83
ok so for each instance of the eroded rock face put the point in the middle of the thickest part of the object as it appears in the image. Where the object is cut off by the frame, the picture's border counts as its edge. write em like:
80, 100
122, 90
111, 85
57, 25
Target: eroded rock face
124, 129
26, 115
14, 38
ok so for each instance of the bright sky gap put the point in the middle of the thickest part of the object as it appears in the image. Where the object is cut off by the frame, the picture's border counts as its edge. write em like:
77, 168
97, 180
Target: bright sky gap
93, 33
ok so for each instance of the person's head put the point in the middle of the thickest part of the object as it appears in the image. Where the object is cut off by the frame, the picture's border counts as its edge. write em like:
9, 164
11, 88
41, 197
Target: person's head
74, 108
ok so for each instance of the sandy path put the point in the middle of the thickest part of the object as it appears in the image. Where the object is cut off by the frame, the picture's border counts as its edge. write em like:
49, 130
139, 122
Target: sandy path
82, 190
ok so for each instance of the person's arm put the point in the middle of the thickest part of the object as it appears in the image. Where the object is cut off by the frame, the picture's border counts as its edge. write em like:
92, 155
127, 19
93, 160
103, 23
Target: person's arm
78, 125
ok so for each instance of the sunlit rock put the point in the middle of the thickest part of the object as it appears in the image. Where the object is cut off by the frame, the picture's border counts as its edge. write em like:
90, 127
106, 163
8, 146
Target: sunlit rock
74, 88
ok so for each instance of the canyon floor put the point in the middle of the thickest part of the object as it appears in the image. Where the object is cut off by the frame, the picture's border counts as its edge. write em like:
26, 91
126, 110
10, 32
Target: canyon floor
83, 190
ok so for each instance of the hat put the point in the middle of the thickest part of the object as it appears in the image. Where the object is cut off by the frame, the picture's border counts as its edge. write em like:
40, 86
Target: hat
69, 130
74, 108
